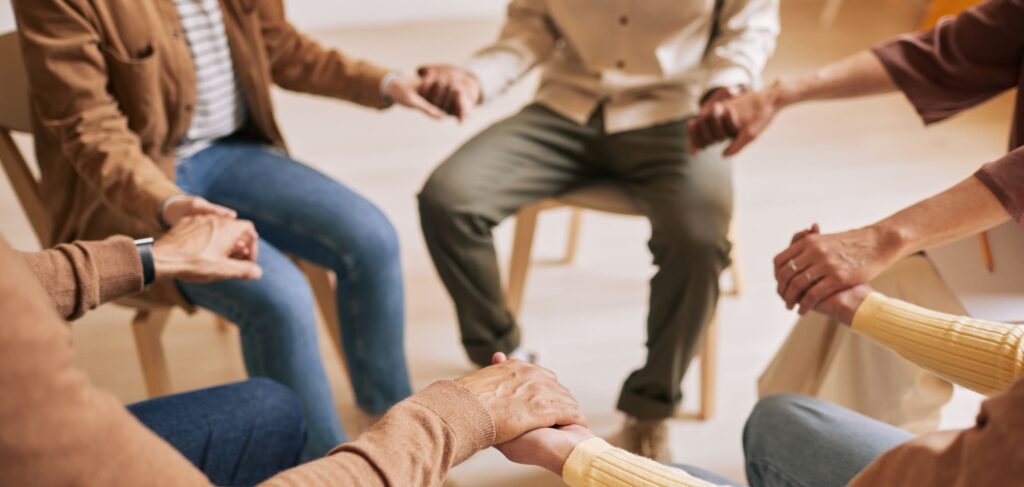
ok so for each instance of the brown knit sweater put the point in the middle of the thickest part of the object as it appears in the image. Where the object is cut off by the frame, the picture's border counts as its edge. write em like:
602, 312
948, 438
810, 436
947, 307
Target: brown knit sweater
57, 428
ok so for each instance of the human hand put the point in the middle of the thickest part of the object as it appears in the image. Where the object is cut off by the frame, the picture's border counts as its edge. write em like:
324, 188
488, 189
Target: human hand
546, 447
205, 249
816, 266
522, 397
451, 88
843, 305
405, 90
180, 206
742, 117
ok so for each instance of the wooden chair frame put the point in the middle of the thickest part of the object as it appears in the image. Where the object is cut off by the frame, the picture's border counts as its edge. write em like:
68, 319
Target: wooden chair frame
150, 319
606, 198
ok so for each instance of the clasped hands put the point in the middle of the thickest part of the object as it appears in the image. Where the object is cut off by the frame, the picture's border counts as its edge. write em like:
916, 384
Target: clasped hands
436, 91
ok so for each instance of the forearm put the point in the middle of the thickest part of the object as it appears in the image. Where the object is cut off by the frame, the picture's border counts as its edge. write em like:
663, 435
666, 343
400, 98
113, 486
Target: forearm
986, 357
595, 463
83, 275
416, 443
525, 40
961, 211
861, 74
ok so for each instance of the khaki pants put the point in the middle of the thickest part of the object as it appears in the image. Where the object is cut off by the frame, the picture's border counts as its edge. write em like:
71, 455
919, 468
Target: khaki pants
537, 154
824, 359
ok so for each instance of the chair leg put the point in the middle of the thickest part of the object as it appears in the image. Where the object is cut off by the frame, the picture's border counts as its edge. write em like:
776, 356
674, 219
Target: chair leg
323, 290
573, 239
830, 12
519, 264
708, 371
148, 327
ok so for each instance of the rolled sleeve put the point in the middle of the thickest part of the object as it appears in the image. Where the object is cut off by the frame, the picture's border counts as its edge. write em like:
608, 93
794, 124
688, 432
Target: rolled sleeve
1005, 178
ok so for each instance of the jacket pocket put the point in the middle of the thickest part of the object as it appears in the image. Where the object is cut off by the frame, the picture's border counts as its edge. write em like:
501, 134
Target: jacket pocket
136, 85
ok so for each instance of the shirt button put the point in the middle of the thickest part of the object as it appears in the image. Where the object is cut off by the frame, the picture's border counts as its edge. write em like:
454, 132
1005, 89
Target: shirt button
620, 64
624, 20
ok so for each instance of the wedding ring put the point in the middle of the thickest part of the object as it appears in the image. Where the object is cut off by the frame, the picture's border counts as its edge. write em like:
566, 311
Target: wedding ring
792, 265
810, 280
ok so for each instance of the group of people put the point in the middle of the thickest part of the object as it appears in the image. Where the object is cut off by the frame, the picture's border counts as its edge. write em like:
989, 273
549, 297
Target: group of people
154, 119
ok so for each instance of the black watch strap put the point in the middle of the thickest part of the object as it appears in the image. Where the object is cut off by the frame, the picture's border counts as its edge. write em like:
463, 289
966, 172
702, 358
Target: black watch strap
145, 249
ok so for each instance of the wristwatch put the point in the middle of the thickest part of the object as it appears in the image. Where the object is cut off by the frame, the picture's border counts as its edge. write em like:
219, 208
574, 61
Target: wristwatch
145, 248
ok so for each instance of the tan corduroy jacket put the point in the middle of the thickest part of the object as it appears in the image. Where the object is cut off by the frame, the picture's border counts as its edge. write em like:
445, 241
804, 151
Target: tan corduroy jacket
113, 91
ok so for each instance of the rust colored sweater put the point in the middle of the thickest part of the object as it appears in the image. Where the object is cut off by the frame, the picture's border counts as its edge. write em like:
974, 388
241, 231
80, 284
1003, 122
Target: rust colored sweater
57, 428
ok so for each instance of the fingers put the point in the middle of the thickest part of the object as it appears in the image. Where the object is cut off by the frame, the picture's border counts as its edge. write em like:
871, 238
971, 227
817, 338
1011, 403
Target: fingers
498, 358
800, 283
239, 269
463, 106
823, 290
691, 129
201, 206
417, 102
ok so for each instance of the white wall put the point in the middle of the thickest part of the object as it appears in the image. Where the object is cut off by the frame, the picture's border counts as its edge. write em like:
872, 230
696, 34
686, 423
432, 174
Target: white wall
319, 14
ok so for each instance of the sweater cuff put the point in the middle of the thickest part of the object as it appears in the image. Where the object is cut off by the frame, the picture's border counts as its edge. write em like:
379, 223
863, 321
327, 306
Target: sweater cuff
581, 461
472, 425
865, 320
120, 270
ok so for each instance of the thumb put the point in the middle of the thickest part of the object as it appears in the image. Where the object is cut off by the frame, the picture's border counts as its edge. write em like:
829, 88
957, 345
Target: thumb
418, 102
498, 358
203, 207
240, 269
738, 144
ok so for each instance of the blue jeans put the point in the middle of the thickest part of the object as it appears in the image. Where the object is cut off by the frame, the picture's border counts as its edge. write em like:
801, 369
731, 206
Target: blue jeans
797, 441
239, 434
301, 212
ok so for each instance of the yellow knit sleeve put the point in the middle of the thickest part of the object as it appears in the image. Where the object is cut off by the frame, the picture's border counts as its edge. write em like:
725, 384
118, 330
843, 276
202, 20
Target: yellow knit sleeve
984, 356
595, 463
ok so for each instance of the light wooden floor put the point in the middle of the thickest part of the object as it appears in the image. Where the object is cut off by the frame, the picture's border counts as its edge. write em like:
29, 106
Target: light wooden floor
839, 164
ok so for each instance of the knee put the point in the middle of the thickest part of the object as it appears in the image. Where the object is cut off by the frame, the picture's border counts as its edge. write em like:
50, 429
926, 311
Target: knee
377, 241
442, 195
275, 412
767, 421
698, 243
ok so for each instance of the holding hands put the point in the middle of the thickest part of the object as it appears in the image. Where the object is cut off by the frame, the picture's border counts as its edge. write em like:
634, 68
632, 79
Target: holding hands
741, 117
450, 88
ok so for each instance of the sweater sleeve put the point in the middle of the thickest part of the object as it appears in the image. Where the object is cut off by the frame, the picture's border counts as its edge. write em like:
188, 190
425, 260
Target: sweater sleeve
416, 443
1005, 178
80, 276
984, 356
595, 463
961, 62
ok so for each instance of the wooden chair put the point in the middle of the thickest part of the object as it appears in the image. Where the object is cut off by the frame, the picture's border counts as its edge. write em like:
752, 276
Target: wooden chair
606, 197
150, 319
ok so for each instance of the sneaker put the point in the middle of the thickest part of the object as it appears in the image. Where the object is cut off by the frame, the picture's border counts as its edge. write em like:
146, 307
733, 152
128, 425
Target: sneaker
647, 438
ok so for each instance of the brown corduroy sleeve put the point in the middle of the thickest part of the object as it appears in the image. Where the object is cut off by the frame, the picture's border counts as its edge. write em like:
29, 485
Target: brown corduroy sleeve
1005, 178
300, 64
961, 62
416, 443
80, 276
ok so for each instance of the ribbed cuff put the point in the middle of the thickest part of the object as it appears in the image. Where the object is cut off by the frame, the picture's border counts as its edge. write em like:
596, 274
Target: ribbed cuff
865, 319
120, 269
581, 460
463, 413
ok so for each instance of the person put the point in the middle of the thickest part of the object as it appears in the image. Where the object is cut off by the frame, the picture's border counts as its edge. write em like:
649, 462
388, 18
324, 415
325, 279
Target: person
942, 72
57, 428
147, 113
618, 85
797, 440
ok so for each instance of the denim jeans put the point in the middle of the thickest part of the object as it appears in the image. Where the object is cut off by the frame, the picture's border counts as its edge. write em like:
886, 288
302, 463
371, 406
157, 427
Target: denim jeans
239, 434
797, 441
301, 212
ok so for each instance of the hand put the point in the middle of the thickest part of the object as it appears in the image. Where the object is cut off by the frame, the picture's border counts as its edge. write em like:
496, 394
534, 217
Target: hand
546, 447
816, 266
405, 90
742, 118
181, 206
204, 249
843, 305
522, 397
453, 89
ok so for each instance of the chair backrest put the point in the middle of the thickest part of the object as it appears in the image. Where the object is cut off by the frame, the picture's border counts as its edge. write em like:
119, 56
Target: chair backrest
16, 116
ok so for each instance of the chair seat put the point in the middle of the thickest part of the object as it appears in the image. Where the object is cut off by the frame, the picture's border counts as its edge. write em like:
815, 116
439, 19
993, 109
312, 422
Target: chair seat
606, 196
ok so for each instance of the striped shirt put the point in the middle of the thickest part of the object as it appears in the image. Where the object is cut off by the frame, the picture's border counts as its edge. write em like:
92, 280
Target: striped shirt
220, 108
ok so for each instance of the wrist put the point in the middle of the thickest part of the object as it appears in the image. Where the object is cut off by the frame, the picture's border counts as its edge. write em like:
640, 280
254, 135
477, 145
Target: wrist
893, 239
784, 92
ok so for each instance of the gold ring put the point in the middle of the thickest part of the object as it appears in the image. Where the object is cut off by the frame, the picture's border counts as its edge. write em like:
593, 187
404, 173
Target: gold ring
810, 280
792, 266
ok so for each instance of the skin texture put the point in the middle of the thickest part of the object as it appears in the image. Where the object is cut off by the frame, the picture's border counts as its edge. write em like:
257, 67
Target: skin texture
817, 266
522, 397
207, 248
547, 448
451, 88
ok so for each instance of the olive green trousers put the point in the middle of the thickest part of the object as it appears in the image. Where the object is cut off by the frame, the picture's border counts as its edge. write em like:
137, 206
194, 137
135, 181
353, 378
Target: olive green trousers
537, 154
